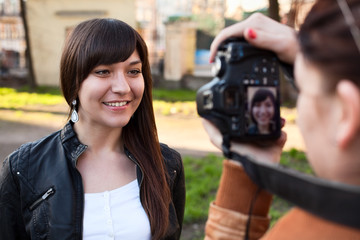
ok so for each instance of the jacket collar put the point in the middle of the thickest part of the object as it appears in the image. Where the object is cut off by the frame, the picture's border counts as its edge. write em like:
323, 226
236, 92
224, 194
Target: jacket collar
74, 148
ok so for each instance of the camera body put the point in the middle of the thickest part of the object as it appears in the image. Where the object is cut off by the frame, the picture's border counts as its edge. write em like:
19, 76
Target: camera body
243, 100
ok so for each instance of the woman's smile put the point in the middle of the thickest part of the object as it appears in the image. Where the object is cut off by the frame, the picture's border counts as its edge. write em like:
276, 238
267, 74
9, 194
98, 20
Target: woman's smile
116, 104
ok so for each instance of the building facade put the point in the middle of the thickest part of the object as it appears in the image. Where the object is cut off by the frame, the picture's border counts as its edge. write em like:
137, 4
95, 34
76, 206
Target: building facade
50, 21
12, 38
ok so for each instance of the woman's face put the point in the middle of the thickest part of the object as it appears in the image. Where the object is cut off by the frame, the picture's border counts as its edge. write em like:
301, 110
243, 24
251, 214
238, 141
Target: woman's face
110, 94
263, 112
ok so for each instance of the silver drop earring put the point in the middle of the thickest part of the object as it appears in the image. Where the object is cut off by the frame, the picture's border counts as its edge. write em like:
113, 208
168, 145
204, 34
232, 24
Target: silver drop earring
74, 115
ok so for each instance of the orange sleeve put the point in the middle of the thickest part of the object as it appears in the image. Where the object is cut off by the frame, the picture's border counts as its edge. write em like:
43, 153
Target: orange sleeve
228, 214
236, 192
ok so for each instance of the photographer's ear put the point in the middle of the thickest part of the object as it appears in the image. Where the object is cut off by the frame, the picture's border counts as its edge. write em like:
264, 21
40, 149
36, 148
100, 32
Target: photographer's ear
349, 125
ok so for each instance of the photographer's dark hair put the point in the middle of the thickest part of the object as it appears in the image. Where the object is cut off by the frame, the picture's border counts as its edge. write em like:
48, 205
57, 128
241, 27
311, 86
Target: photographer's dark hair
107, 41
326, 41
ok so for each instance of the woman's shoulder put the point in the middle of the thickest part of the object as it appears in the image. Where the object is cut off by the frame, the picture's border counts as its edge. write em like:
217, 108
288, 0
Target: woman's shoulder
171, 156
168, 151
25, 150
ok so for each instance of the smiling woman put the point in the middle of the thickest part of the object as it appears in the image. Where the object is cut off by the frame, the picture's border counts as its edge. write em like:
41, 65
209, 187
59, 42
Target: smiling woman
105, 174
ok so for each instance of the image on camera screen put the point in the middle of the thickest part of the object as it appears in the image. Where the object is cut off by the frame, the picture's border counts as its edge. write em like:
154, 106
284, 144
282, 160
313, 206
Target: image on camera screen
261, 110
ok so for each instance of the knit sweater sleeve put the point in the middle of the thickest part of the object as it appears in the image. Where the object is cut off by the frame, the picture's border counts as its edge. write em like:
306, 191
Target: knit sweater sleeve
230, 212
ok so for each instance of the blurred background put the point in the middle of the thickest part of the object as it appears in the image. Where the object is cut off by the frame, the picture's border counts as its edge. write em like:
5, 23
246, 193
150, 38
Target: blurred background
178, 33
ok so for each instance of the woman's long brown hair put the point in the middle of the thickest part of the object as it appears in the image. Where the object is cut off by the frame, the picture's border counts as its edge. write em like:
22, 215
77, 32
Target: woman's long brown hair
107, 41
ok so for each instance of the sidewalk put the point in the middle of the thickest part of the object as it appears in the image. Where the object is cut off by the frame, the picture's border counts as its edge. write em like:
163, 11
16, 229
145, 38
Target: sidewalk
185, 134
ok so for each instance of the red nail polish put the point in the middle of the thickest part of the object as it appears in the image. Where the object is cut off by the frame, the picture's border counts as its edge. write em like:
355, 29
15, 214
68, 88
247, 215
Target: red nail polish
252, 33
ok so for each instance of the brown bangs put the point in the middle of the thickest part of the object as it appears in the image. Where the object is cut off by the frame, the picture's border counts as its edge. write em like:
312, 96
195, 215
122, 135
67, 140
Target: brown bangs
110, 42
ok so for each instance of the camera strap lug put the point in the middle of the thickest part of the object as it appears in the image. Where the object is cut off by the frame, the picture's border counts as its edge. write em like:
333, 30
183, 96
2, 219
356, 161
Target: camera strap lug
226, 145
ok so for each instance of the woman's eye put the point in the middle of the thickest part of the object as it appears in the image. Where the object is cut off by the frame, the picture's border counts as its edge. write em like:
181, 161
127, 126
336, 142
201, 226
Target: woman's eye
134, 72
102, 72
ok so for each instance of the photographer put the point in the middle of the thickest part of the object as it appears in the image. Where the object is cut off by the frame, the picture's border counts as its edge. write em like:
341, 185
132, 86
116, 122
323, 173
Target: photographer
326, 56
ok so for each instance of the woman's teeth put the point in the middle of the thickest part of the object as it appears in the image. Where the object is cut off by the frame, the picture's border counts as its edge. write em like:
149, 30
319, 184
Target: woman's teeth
116, 104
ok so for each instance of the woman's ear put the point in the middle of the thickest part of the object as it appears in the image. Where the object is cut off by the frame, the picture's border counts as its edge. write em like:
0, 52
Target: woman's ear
349, 97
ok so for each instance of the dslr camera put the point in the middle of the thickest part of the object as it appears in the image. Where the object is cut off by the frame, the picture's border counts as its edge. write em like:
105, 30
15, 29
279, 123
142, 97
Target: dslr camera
243, 99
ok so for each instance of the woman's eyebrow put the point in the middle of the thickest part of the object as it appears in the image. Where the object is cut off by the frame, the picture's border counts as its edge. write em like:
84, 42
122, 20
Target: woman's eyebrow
135, 62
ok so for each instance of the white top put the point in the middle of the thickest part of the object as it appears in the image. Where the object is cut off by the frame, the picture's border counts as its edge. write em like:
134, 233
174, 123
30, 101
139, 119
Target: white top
116, 214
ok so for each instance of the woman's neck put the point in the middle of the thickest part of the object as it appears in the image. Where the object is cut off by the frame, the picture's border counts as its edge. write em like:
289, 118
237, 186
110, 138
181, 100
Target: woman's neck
264, 129
99, 137
342, 165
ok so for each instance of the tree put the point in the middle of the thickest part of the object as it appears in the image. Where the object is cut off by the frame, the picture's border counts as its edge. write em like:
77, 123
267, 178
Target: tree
31, 76
274, 10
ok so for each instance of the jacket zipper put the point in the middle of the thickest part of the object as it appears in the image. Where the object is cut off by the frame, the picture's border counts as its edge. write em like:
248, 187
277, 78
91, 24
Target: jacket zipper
79, 197
48, 193
136, 163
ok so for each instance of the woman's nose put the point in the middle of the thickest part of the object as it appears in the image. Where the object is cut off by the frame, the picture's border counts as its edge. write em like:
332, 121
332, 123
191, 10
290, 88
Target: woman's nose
263, 109
120, 84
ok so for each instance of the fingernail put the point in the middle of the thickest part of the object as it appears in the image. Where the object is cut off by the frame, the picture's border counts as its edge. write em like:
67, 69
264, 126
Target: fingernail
252, 33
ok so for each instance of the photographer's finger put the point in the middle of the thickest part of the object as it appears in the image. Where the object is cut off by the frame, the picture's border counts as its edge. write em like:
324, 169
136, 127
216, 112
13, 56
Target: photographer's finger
213, 132
282, 140
280, 39
255, 21
261, 39
235, 30
282, 122
252, 151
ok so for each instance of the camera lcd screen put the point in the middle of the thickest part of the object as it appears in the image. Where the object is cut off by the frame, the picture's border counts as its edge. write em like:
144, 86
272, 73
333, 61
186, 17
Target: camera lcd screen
261, 111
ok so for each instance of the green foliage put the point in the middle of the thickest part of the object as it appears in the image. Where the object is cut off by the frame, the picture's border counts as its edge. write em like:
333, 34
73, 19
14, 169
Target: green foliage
179, 18
278, 208
168, 102
297, 160
171, 102
202, 177
42, 90
176, 101
207, 23
11, 98
176, 95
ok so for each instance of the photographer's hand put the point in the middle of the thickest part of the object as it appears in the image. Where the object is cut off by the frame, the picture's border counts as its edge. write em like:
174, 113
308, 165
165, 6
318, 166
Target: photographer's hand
269, 154
262, 32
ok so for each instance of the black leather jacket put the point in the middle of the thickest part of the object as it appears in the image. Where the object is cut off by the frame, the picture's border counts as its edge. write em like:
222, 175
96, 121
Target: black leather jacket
41, 191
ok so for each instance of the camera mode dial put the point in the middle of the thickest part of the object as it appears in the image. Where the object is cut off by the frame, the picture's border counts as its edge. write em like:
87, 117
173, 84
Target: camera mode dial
218, 68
